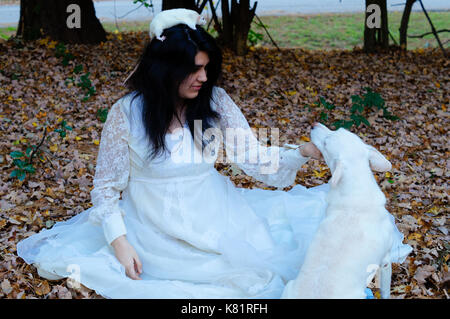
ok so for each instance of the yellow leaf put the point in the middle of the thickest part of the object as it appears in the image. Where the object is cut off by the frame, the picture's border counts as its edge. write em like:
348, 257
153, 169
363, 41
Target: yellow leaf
52, 45
414, 236
42, 288
329, 86
438, 85
96, 142
77, 138
321, 174
388, 174
41, 114
434, 210
44, 41
49, 191
34, 124
53, 148
267, 81
305, 138
314, 93
85, 156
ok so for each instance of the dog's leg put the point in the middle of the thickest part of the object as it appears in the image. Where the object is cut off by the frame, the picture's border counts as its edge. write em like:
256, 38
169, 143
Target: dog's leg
385, 278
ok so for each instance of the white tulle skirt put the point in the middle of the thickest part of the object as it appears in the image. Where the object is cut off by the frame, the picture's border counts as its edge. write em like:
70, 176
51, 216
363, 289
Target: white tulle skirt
230, 243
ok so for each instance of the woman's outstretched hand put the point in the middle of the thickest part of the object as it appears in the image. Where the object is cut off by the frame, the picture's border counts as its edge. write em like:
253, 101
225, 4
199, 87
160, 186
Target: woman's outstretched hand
310, 150
128, 257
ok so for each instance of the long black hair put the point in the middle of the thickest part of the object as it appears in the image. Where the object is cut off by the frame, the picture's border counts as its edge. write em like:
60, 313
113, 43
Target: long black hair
161, 69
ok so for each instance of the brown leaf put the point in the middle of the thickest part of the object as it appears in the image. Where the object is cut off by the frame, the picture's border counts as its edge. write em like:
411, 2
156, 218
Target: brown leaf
42, 288
423, 272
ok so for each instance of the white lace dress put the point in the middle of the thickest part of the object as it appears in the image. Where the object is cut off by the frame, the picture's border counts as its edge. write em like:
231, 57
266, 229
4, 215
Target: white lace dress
196, 234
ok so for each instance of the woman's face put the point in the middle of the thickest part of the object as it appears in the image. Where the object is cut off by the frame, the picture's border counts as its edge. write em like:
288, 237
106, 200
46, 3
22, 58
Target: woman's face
190, 86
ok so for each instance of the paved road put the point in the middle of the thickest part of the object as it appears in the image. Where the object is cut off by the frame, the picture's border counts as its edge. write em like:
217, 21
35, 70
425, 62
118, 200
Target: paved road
107, 10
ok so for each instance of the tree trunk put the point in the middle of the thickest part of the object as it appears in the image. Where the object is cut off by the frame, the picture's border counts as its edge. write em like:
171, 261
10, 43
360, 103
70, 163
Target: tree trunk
42, 18
404, 23
174, 4
236, 24
376, 38
227, 25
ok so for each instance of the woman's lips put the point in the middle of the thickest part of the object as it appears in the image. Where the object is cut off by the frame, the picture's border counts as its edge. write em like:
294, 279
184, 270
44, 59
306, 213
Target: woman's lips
197, 87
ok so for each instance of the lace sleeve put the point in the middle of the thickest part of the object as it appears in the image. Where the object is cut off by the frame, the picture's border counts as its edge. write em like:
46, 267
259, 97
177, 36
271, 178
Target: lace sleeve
111, 174
273, 165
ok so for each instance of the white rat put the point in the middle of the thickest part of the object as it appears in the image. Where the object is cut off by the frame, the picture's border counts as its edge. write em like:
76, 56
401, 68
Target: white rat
168, 18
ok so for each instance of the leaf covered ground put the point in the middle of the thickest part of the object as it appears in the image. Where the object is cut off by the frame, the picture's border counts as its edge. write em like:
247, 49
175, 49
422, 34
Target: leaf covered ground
43, 84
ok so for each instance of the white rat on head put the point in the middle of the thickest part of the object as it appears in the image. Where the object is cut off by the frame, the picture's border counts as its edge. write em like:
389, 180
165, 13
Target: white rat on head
169, 18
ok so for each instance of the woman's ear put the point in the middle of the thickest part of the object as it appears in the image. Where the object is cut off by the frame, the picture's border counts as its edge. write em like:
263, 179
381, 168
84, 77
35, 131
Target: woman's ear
377, 161
337, 174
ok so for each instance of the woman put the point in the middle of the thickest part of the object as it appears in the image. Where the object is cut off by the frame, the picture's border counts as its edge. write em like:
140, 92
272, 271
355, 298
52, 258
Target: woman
181, 229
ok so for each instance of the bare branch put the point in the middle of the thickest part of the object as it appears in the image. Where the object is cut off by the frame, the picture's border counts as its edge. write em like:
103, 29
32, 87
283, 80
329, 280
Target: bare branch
427, 33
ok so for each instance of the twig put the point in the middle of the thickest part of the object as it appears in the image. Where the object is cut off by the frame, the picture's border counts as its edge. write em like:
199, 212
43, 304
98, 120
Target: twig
392, 38
128, 11
432, 28
115, 16
262, 24
427, 33
33, 152
200, 8
213, 12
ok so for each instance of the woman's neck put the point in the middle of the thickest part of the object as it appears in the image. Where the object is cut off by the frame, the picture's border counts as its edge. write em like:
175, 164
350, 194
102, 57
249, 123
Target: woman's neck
178, 122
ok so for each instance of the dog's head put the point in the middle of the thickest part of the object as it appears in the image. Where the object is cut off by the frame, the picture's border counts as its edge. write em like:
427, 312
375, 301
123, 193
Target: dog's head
342, 146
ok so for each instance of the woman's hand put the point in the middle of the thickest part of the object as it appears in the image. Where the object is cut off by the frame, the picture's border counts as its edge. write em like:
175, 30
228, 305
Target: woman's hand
128, 257
310, 150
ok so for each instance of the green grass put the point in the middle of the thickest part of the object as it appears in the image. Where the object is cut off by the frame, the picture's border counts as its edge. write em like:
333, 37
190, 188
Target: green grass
344, 31
321, 31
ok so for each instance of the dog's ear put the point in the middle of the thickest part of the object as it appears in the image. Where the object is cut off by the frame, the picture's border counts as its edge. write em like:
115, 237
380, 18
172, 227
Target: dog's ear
377, 161
337, 174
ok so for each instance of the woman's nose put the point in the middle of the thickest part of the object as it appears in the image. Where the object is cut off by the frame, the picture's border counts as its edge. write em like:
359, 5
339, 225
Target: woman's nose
202, 76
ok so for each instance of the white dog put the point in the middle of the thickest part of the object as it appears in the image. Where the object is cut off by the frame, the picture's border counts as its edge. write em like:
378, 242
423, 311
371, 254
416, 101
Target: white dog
356, 236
